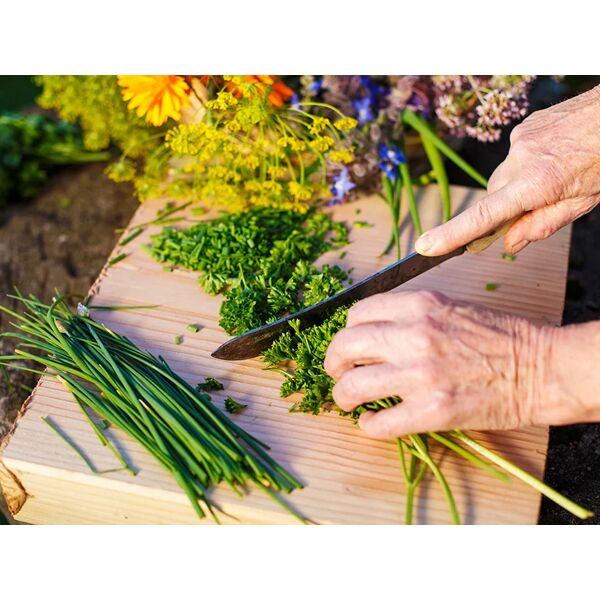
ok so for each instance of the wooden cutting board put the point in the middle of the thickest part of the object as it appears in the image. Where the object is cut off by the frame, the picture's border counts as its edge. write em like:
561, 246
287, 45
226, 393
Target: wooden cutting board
348, 478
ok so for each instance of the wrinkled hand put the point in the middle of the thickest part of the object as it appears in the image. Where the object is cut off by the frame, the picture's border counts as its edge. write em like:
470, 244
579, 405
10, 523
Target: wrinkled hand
454, 365
552, 174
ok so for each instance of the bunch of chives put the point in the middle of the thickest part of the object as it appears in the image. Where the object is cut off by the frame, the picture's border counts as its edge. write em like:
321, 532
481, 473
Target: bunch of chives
140, 394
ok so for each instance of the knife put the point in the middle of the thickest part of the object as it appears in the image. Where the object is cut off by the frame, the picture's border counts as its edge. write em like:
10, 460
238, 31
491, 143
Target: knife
254, 342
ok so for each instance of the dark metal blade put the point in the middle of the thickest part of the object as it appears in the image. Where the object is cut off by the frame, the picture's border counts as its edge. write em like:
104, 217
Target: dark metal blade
252, 343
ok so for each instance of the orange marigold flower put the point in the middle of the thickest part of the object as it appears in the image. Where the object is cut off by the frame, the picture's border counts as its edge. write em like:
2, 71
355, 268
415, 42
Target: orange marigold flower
157, 97
277, 90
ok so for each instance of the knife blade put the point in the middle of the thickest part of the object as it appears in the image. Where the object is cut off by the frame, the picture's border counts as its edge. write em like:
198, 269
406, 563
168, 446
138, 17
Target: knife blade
255, 341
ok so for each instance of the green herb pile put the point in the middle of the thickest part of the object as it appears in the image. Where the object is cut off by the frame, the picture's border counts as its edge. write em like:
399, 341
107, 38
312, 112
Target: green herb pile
30, 145
262, 261
140, 394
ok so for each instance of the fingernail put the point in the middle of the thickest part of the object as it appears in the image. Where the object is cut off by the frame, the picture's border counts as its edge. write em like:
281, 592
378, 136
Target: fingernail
518, 247
424, 243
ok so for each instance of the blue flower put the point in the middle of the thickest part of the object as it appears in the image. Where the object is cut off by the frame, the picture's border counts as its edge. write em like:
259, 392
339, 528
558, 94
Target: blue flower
391, 154
374, 90
315, 87
363, 110
389, 169
342, 184
295, 102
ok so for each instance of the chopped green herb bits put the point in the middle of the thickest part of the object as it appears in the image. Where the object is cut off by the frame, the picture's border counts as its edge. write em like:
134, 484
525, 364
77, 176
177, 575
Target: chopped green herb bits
116, 259
233, 407
210, 384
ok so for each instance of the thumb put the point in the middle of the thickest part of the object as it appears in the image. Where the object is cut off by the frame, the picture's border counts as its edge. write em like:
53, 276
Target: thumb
478, 220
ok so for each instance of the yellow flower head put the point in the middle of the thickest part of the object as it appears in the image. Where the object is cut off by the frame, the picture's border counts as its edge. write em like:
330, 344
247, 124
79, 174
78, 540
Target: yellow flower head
322, 143
157, 97
343, 156
319, 125
346, 124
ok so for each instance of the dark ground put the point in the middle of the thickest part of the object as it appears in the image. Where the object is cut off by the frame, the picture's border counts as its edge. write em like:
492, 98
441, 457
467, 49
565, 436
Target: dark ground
62, 238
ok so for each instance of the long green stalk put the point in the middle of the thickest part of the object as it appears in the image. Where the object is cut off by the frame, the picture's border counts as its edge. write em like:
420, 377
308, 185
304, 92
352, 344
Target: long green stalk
439, 170
411, 118
527, 478
412, 201
424, 455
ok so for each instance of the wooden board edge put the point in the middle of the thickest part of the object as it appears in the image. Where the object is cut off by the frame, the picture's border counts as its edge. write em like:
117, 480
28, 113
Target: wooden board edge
13, 490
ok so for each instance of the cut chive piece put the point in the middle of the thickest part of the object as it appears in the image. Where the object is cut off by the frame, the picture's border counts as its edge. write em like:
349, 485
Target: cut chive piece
178, 339
490, 287
362, 225
508, 257
69, 443
131, 237
116, 259
193, 328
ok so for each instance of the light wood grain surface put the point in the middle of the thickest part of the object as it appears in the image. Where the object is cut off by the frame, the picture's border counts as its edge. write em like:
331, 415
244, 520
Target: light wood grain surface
348, 478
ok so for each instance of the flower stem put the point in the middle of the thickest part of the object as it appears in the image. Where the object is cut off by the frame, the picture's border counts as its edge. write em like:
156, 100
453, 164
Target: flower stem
439, 170
391, 194
540, 486
472, 458
424, 455
419, 124
412, 202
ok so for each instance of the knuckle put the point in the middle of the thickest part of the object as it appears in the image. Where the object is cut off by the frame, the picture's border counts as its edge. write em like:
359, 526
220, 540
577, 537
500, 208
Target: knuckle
428, 372
518, 133
481, 214
428, 299
423, 336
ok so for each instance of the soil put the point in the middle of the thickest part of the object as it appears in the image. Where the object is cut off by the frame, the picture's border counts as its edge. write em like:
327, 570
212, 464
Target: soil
61, 240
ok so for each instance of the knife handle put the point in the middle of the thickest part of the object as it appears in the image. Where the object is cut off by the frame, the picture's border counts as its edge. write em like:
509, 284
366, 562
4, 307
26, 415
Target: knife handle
480, 244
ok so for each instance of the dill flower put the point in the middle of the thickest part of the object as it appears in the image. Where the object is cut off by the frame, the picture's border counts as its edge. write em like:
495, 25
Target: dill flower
157, 97
346, 124
322, 143
343, 156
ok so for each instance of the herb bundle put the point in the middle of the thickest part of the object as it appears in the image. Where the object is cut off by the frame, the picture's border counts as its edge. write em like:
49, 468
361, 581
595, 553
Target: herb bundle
140, 394
262, 260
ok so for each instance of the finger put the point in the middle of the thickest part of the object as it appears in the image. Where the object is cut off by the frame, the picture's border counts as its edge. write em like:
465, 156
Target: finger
491, 212
415, 416
544, 222
394, 306
373, 382
360, 345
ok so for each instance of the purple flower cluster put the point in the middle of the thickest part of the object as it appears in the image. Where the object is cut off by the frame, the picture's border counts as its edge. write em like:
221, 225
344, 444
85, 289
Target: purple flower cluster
461, 105
479, 107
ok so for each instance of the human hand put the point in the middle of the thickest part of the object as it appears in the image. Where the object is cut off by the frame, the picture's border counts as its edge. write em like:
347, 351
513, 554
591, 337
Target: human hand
551, 176
454, 365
